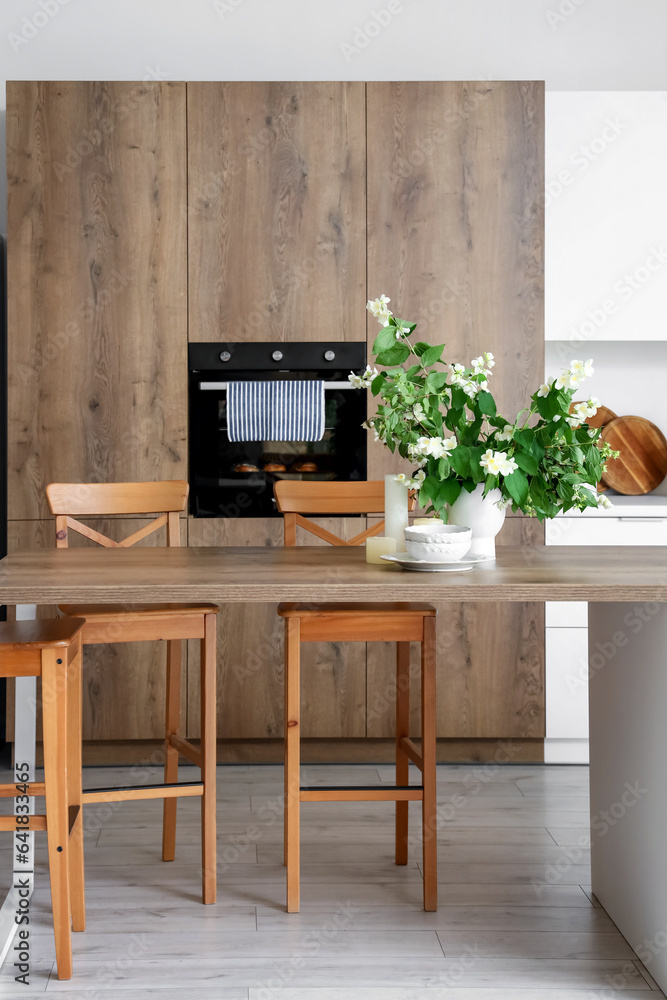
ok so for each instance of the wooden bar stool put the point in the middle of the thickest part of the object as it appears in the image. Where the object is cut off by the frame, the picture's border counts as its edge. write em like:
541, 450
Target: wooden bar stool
148, 622
52, 650
399, 623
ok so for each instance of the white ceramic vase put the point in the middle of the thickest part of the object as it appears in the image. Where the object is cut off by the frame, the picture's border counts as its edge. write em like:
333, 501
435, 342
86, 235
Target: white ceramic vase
482, 515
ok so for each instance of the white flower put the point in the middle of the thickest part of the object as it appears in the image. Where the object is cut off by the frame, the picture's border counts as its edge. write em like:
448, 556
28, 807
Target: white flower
401, 478
556, 418
417, 479
488, 358
503, 503
437, 447
544, 389
364, 380
418, 411
604, 502
507, 465
368, 425
505, 435
478, 362
498, 463
378, 307
471, 388
582, 369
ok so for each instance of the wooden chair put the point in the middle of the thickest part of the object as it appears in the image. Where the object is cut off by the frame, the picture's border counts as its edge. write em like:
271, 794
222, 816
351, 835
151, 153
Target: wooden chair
399, 623
132, 622
52, 650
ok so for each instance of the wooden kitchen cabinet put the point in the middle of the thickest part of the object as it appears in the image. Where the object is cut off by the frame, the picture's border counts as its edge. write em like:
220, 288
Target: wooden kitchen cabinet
97, 286
144, 215
276, 211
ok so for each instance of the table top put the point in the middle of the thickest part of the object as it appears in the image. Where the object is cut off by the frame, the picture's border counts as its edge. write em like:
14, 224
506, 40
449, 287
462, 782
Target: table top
319, 573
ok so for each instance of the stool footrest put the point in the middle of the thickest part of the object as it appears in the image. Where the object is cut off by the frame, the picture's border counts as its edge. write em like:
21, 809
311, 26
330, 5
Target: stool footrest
33, 788
362, 793
143, 792
34, 823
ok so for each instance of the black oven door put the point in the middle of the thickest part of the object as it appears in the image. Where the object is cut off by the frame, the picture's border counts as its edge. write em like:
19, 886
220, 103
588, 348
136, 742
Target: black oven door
235, 479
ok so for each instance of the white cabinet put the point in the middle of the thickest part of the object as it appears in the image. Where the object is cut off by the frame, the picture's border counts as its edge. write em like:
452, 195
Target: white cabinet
632, 521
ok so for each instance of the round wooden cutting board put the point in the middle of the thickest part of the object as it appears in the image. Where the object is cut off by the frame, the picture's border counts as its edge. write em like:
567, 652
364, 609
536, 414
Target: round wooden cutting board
642, 464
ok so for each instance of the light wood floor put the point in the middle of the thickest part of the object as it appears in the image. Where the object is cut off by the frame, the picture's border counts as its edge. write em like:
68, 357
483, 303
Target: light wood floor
516, 919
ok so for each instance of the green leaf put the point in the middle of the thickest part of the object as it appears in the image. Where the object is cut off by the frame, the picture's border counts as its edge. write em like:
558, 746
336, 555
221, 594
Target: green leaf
429, 490
435, 381
459, 459
377, 383
448, 492
395, 355
431, 356
526, 462
486, 403
385, 339
420, 347
517, 487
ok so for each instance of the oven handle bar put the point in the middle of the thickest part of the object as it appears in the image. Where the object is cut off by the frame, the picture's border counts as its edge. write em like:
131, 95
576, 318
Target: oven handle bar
223, 385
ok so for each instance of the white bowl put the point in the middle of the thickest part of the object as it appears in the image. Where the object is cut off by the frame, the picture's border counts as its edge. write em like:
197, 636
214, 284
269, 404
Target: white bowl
438, 542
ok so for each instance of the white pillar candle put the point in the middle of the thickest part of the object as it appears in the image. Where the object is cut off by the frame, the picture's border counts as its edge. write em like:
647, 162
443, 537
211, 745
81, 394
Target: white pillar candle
395, 511
378, 545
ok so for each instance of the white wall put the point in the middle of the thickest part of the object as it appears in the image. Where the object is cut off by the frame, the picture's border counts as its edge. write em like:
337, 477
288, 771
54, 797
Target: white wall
572, 44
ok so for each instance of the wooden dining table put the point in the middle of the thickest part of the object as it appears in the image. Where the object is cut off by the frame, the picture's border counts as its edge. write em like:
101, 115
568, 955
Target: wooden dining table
626, 591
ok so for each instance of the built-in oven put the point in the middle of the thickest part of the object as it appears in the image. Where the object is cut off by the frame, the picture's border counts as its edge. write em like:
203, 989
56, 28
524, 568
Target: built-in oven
235, 478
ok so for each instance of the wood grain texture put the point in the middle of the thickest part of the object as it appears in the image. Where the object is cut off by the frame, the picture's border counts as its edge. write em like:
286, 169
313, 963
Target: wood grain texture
455, 225
276, 193
642, 463
327, 573
250, 653
110, 671
97, 285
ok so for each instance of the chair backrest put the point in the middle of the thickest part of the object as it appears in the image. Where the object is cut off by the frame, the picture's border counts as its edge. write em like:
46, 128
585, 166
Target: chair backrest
297, 497
166, 499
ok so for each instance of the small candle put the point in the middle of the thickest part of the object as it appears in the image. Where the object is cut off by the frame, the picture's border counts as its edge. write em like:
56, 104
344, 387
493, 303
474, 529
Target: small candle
427, 520
395, 511
378, 545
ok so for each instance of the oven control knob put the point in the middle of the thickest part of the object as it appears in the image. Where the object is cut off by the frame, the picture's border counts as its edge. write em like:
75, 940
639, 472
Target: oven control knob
224, 355
277, 355
329, 355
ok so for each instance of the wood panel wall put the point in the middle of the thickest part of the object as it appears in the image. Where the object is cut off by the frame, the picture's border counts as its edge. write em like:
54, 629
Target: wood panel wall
298, 201
97, 285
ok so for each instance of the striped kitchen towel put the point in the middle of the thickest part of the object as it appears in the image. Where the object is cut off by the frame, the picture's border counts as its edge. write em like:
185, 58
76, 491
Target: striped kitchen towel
275, 411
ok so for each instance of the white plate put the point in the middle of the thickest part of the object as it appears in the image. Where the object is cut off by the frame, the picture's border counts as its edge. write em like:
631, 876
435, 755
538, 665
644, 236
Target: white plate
407, 561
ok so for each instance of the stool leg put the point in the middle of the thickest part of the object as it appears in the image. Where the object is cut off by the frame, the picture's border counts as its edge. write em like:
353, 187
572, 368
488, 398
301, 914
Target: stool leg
208, 751
402, 759
429, 803
292, 760
74, 769
172, 726
54, 716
